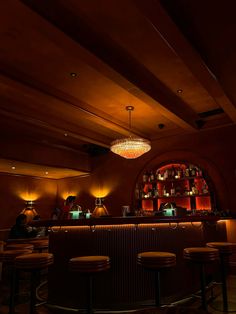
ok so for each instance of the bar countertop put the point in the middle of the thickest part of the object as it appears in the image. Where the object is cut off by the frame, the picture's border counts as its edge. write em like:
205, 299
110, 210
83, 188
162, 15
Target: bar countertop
126, 220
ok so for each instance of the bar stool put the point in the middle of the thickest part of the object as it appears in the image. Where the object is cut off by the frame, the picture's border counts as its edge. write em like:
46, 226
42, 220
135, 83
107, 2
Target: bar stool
33, 263
8, 258
201, 256
19, 246
2, 243
156, 261
89, 265
225, 250
40, 245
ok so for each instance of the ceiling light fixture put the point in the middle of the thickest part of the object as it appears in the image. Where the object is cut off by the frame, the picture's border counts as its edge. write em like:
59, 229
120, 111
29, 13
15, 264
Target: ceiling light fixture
130, 147
73, 74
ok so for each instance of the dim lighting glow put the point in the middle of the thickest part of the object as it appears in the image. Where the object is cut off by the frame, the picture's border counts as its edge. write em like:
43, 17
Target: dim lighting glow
130, 147
26, 196
64, 195
100, 192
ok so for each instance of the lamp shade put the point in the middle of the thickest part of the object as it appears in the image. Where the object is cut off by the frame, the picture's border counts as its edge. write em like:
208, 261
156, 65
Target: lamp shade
29, 211
130, 147
100, 208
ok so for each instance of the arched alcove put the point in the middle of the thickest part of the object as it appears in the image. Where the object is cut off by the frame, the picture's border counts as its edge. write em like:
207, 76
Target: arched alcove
214, 200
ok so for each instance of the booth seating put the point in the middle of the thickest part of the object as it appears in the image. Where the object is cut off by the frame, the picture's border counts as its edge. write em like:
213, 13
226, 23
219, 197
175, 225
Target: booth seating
201, 256
33, 263
225, 250
8, 258
156, 261
89, 265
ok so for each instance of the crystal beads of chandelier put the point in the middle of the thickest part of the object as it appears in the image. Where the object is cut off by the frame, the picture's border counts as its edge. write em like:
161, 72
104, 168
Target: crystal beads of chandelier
130, 147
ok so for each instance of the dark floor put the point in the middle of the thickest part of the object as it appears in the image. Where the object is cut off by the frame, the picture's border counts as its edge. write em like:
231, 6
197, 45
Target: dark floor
191, 306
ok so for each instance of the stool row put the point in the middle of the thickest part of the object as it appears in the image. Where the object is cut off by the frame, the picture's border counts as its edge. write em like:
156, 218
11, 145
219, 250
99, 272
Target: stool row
23, 259
157, 261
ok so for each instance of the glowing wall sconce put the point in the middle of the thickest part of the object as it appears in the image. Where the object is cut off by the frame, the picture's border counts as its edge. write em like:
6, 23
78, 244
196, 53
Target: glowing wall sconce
100, 208
29, 211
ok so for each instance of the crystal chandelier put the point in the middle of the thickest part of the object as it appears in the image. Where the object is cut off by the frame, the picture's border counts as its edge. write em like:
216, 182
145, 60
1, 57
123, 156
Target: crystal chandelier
130, 147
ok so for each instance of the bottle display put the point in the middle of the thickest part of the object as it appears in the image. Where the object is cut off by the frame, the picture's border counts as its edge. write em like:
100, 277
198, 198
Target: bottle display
181, 184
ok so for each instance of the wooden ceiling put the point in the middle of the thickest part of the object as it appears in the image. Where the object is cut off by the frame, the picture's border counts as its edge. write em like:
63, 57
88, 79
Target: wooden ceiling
68, 69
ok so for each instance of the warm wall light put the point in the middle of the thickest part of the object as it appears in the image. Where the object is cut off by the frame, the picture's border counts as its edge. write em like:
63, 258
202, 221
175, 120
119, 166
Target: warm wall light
29, 211
100, 192
28, 196
130, 147
64, 195
100, 208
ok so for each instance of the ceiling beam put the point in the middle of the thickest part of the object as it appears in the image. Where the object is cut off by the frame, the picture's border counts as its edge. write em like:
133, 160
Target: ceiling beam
49, 127
158, 17
163, 99
12, 76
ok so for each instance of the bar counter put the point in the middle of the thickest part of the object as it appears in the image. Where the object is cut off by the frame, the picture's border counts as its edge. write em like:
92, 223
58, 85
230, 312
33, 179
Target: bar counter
126, 285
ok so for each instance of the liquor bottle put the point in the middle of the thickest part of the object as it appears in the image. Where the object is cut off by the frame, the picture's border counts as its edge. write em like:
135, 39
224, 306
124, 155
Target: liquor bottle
186, 172
205, 188
194, 189
145, 177
149, 193
166, 174
172, 190
179, 173
173, 172
152, 177
192, 171
164, 190
137, 192
154, 191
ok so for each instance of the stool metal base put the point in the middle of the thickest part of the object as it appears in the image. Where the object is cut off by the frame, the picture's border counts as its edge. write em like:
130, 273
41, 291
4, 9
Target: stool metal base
218, 306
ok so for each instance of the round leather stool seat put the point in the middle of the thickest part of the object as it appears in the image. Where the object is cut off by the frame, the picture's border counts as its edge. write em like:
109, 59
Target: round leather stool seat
10, 255
39, 244
223, 247
156, 260
19, 246
89, 264
201, 254
34, 261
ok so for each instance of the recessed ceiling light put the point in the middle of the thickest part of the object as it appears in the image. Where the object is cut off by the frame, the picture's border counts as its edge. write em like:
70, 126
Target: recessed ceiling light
65, 134
46, 172
73, 74
179, 91
13, 167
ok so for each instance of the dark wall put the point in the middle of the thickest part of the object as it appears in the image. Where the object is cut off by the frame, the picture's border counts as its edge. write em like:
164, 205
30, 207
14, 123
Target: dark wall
115, 177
